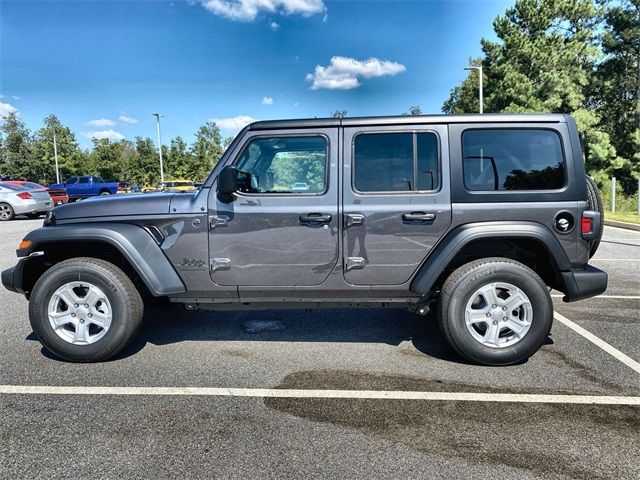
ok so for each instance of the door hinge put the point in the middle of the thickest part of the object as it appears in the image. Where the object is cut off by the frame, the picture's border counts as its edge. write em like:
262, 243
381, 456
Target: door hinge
218, 221
351, 219
354, 263
216, 264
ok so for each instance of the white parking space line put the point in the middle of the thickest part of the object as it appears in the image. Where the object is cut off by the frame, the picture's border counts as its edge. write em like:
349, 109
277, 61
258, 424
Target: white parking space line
328, 394
627, 297
614, 352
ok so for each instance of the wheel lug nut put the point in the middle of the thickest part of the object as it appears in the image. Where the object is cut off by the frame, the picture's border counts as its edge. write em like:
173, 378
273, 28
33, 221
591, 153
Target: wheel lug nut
504, 318
86, 305
504, 309
493, 306
91, 315
75, 305
488, 315
495, 322
82, 320
73, 314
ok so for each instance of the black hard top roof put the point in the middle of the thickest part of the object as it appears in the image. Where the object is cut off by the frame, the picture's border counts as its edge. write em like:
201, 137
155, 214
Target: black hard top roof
409, 120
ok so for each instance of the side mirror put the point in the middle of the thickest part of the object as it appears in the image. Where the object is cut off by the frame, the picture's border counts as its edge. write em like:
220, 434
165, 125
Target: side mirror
228, 180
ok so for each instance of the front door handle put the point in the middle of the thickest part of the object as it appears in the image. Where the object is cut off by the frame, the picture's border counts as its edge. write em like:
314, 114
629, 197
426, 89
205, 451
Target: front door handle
315, 218
418, 217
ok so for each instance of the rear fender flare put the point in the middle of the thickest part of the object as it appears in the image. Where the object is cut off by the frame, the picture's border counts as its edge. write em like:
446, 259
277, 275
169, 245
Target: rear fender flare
454, 242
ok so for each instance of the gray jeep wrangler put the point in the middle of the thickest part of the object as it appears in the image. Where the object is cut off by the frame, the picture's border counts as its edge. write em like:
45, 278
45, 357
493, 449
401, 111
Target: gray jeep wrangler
476, 217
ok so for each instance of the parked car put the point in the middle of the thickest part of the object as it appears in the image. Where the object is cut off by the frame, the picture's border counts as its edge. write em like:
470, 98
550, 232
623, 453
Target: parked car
476, 217
16, 199
177, 186
124, 187
300, 187
86, 186
58, 196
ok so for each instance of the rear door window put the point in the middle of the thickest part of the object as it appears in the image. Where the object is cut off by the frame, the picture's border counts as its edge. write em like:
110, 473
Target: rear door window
512, 159
395, 162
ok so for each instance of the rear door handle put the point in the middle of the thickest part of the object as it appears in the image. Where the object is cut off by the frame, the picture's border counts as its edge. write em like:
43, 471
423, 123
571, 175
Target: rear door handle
418, 217
315, 218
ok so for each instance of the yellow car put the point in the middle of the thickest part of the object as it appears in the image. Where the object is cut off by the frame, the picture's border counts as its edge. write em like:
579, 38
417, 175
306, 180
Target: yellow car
177, 186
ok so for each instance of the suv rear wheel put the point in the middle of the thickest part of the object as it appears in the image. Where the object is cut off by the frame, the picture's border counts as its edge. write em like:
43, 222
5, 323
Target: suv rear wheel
495, 311
85, 310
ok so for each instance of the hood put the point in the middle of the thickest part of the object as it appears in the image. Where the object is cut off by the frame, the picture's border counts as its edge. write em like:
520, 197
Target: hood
116, 206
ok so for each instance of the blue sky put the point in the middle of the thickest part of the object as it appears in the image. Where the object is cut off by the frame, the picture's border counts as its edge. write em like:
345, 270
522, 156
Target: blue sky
105, 67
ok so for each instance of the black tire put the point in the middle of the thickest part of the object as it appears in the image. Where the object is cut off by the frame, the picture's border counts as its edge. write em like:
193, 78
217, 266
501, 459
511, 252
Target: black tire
105, 192
126, 304
595, 203
6, 212
461, 285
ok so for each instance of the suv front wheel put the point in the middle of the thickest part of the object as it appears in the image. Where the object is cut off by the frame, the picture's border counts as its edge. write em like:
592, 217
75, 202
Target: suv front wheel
85, 309
495, 311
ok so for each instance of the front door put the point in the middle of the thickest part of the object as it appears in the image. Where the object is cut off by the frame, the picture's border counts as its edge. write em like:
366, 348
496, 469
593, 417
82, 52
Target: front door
281, 229
396, 200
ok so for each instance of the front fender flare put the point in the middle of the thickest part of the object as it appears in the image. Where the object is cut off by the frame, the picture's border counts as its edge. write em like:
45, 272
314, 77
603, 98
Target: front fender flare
133, 242
450, 245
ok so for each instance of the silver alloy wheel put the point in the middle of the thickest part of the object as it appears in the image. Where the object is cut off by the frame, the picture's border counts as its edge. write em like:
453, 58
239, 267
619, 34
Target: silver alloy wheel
79, 313
5, 211
498, 315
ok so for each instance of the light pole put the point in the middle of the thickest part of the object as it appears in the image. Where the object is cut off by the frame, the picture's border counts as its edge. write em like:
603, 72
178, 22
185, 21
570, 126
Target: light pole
157, 115
479, 69
55, 155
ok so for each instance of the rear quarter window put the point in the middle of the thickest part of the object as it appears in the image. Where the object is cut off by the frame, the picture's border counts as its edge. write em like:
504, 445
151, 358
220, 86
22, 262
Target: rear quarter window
512, 160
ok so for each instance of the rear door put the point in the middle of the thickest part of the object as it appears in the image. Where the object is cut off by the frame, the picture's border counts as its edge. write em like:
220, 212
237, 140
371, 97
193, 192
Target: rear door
396, 200
282, 228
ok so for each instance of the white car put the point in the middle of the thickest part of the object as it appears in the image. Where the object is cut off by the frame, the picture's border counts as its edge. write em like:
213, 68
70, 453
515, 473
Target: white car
19, 200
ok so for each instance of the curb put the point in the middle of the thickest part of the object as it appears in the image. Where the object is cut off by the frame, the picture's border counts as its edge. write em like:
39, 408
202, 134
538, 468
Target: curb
627, 225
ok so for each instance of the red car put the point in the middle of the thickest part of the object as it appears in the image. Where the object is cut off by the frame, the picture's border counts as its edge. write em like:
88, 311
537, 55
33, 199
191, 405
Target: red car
58, 195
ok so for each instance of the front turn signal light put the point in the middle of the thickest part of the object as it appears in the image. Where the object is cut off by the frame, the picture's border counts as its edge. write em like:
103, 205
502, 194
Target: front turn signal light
24, 244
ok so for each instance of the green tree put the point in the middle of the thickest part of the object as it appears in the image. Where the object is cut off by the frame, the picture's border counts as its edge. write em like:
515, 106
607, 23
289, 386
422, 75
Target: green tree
16, 155
144, 163
206, 150
543, 61
71, 160
339, 114
615, 92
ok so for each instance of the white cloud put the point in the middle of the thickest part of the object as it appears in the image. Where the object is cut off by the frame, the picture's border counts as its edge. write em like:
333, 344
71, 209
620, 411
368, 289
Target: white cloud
6, 109
267, 101
274, 26
248, 10
15, 97
101, 122
343, 73
111, 134
233, 123
126, 119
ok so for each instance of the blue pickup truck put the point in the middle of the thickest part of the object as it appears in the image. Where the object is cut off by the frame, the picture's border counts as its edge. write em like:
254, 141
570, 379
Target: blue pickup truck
86, 186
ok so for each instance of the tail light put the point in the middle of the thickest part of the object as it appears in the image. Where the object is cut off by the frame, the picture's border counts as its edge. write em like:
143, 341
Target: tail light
25, 195
590, 224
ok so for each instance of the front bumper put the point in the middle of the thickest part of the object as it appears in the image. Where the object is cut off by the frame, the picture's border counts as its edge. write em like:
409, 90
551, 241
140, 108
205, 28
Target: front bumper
11, 278
583, 283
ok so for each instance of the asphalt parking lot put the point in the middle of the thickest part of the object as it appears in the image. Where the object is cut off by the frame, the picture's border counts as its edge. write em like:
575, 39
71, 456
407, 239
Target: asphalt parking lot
218, 434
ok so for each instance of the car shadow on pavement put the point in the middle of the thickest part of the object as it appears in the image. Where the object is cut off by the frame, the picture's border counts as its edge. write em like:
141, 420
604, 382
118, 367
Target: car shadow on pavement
387, 326
172, 324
